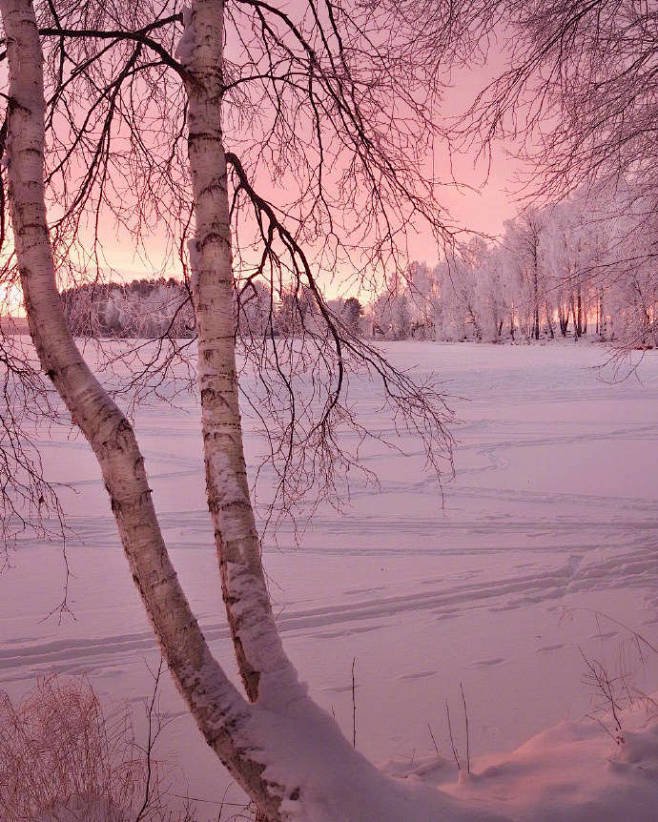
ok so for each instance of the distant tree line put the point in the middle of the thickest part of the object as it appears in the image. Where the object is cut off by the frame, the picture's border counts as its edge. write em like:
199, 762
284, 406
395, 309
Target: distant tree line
152, 308
584, 266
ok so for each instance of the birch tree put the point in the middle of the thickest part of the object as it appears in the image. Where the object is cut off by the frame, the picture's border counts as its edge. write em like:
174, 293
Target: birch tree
287, 754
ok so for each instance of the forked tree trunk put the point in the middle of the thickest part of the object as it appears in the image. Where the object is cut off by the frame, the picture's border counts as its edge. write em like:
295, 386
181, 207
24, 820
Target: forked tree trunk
277, 749
219, 710
288, 755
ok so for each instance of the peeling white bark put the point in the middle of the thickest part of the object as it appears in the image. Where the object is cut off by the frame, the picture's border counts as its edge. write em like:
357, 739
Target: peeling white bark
220, 711
287, 753
266, 671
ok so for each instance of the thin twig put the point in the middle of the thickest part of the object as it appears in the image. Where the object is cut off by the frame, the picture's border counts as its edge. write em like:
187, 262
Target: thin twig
353, 704
436, 747
468, 741
452, 739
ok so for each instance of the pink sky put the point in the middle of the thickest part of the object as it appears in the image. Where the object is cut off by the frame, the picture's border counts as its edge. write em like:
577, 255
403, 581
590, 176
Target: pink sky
482, 210
483, 207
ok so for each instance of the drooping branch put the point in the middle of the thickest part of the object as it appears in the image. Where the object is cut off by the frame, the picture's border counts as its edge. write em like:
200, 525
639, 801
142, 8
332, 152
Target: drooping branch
308, 447
141, 36
213, 701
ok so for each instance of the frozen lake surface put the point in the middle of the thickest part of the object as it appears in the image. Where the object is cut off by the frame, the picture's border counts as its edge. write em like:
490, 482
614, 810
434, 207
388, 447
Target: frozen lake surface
543, 548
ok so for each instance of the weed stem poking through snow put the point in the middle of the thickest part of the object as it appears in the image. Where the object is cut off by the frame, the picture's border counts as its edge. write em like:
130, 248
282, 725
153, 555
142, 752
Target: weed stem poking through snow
468, 741
353, 704
455, 753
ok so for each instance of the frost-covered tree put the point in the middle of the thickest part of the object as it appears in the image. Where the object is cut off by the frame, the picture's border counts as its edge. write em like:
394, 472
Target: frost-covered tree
495, 295
391, 317
578, 97
627, 288
255, 307
522, 243
142, 309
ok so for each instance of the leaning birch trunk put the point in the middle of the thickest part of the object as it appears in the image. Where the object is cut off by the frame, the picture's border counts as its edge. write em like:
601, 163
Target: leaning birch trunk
288, 754
219, 710
266, 671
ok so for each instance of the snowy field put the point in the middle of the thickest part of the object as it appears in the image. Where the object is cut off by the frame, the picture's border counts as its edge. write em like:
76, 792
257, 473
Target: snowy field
543, 551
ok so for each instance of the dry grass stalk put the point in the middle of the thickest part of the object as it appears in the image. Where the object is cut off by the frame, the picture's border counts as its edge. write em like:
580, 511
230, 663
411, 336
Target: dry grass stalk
63, 760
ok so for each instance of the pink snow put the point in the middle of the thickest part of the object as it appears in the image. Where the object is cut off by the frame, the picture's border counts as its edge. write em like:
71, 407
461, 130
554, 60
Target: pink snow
544, 546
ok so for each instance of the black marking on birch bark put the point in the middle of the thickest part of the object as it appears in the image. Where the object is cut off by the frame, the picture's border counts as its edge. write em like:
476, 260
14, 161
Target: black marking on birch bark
213, 187
234, 503
202, 136
214, 237
218, 184
31, 150
13, 106
34, 227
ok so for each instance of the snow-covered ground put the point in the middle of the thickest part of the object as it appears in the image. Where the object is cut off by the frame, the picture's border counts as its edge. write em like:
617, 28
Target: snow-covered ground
541, 554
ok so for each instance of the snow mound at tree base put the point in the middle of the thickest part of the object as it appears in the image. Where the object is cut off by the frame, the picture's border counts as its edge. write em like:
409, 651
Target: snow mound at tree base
573, 772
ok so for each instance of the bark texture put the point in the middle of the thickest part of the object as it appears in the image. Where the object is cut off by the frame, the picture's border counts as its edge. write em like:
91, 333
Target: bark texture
217, 707
266, 672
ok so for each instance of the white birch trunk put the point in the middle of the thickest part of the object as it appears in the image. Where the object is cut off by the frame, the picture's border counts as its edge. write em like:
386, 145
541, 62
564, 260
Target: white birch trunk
267, 673
217, 707
288, 755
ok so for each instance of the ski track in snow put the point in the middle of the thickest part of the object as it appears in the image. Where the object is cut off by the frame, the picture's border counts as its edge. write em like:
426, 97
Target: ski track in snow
633, 569
553, 504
